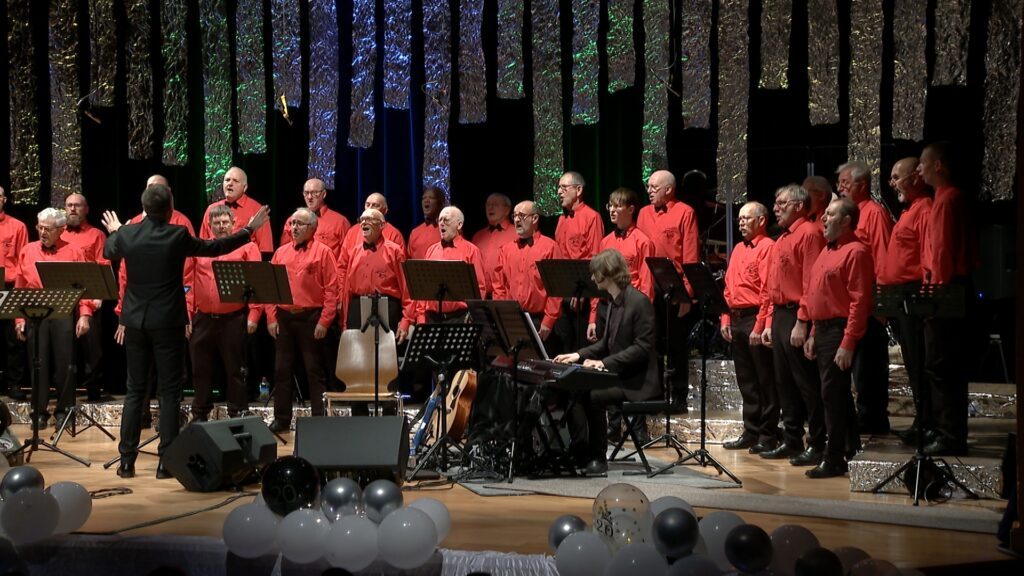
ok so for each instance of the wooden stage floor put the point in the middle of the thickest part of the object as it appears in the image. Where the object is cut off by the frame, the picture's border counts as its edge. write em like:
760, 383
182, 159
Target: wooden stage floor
516, 523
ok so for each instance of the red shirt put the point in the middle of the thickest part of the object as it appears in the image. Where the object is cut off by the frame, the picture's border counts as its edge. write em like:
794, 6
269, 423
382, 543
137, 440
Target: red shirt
460, 249
312, 277
745, 278
906, 253
28, 275
203, 296
841, 286
579, 232
874, 229
948, 242
13, 238
331, 228
354, 241
789, 268
178, 219
673, 228
421, 239
635, 247
516, 276
244, 209
378, 270
489, 240
89, 239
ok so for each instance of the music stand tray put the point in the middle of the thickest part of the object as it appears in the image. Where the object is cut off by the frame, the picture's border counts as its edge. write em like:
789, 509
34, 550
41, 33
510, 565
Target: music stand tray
564, 278
35, 306
440, 280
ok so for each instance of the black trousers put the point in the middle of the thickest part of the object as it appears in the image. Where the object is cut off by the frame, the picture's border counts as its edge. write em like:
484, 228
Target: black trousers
294, 341
14, 371
799, 385
674, 342
871, 378
910, 333
945, 374
840, 415
755, 375
55, 338
90, 357
218, 339
145, 348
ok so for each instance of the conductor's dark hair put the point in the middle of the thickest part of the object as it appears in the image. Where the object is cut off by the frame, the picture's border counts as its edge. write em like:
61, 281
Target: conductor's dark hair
157, 201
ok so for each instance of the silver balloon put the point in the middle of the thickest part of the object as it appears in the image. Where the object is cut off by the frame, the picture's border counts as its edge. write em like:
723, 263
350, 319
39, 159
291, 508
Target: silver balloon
19, 478
562, 527
380, 498
341, 497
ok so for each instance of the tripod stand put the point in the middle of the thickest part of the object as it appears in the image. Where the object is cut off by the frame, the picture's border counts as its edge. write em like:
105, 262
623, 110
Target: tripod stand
929, 300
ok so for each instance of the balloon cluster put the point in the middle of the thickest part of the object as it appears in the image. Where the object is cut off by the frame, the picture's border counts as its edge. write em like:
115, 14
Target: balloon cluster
348, 526
632, 536
30, 512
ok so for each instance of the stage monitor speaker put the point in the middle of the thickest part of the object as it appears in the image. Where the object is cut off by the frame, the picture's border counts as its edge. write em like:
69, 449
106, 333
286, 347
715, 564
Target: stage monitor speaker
208, 456
360, 447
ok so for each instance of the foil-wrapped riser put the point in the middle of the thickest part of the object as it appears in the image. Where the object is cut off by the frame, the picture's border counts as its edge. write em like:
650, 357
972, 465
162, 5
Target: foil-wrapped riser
687, 428
985, 481
108, 414
723, 392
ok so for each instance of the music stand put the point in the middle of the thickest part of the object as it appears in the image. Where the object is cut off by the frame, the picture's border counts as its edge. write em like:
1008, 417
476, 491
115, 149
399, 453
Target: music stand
564, 278
711, 302
35, 306
928, 300
99, 284
245, 282
443, 347
379, 321
440, 280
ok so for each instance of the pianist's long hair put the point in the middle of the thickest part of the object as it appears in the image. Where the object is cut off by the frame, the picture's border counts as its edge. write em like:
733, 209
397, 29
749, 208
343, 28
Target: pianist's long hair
612, 265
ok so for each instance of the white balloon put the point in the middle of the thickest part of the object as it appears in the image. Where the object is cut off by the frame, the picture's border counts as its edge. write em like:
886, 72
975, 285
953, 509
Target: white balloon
351, 543
250, 530
789, 543
438, 512
637, 560
850, 555
582, 554
407, 538
301, 535
29, 516
715, 527
694, 565
75, 506
665, 502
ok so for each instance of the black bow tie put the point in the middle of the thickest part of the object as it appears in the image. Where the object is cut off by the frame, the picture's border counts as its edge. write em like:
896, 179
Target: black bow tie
447, 243
662, 208
497, 228
430, 222
620, 233
302, 246
525, 241
832, 245
232, 205
568, 212
748, 243
49, 249
369, 246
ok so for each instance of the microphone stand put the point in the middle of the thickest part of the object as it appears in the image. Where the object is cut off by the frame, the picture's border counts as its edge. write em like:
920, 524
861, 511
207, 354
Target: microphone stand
375, 320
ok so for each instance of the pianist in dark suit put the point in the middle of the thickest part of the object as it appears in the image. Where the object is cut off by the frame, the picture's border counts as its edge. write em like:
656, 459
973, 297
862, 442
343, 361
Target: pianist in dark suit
626, 348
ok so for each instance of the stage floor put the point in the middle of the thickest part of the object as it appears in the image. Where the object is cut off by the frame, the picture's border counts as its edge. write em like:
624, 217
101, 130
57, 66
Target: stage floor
518, 523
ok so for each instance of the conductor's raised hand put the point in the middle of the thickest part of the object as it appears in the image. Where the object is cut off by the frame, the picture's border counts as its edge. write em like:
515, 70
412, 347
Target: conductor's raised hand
259, 218
110, 221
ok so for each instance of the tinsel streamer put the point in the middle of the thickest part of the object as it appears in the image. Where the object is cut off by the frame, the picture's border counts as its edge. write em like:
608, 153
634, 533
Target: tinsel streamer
910, 76
22, 82
658, 68
364, 62
437, 68
323, 90
102, 52
173, 47
284, 19
776, 21
251, 88
695, 53
139, 81
472, 67
952, 31
999, 120
217, 94
397, 53
510, 49
733, 97
823, 62
586, 14
66, 146
547, 105
864, 141
621, 52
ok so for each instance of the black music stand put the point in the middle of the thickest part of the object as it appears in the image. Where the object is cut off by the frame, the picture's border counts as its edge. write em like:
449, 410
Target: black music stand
442, 347
35, 306
711, 302
563, 278
440, 280
936, 301
99, 284
246, 282
378, 323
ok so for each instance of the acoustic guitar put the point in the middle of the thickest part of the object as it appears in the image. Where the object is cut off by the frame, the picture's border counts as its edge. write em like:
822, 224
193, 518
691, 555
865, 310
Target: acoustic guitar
459, 403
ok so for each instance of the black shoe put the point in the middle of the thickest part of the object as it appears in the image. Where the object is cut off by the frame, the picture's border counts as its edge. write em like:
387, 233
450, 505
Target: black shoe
781, 452
596, 467
126, 469
58, 419
40, 422
810, 457
946, 446
162, 473
910, 437
762, 447
741, 443
827, 469
279, 426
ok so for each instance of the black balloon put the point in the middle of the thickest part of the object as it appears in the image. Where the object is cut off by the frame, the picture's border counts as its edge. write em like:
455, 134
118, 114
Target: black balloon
675, 532
290, 483
748, 548
819, 562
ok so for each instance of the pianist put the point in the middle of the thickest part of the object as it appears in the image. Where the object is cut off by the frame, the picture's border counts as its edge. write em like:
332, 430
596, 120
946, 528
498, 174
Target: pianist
626, 348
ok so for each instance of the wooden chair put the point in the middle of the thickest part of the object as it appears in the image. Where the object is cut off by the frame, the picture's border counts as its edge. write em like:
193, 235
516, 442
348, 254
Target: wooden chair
355, 368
